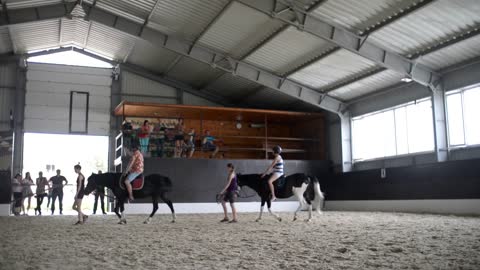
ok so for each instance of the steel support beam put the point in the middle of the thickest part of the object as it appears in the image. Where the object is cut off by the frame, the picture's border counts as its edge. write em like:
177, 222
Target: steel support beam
115, 121
346, 133
19, 115
440, 123
354, 43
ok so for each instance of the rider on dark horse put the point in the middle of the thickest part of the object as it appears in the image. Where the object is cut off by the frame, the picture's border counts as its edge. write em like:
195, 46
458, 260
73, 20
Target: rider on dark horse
134, 169
276, 168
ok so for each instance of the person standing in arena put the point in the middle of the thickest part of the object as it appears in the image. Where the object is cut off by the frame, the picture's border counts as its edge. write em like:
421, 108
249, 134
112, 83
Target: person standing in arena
229, 194
27, 184
276, 168
17, 194
77, 204
100, 193
41, 183
57, 190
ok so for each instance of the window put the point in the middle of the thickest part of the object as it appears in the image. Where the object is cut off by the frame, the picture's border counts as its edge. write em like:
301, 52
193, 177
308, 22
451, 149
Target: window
401, 130
462, 114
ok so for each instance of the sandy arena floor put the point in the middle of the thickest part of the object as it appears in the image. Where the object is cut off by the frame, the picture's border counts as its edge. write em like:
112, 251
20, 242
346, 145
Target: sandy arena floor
337, 240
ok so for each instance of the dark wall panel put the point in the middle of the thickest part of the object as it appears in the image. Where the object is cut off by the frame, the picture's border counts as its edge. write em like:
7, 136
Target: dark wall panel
5, 187
199, 180
447, 180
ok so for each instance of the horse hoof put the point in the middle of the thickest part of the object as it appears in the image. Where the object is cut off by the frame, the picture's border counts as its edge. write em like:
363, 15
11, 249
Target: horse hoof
173, 221
257, 220
294, 219
308, 220
146, 222
279, 219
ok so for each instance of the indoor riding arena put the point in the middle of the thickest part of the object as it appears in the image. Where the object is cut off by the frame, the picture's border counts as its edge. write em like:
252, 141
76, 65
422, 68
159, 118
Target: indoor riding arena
239, 134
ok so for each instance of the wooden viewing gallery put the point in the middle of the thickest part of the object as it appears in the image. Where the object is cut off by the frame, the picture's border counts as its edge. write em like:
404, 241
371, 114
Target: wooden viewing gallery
241, 133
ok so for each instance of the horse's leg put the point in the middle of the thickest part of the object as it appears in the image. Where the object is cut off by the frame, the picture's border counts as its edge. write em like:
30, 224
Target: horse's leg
269, 205
319, 197
300, 201
261, 210
155, 208
309, 202
170, 205
123, 219
117, 206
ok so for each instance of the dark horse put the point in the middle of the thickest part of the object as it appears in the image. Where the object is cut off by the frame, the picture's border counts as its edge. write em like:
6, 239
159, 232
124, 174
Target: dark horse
155, 186
305, 188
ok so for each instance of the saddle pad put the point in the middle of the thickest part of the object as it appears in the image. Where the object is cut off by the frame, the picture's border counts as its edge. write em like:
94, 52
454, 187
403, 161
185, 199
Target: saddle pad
137, 184
281, 181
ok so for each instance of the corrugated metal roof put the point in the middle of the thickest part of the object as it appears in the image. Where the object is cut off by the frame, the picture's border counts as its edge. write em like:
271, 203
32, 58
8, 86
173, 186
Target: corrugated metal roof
360, 14
288, 50
109, 42
333, 67
428, 26
183, 18
368, 85
233, 34
151, 57
270, 99
137, 10
453, 54
232, 87
15, 4
74, 31
193, 72
34, 36
5, 42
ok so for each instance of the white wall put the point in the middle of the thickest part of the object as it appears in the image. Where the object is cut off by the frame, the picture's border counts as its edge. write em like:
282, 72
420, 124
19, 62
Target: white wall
47, 101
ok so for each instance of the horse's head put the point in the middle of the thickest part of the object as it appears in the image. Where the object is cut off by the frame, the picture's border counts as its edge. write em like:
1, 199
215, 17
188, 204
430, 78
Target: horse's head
91, 184
250, 180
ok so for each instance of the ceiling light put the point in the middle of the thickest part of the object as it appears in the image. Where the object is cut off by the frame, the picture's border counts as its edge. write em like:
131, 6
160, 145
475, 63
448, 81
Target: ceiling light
406, 79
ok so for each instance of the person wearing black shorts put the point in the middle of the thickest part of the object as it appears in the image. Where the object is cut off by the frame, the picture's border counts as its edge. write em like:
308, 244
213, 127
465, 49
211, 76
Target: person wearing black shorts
77, 205
229, 194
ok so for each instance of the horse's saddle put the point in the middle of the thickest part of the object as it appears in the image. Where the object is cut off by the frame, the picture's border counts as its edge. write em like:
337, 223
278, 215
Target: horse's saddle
281, 181
136, 184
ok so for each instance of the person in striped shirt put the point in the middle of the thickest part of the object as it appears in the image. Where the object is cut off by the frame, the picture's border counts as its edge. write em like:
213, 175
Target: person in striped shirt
276, 168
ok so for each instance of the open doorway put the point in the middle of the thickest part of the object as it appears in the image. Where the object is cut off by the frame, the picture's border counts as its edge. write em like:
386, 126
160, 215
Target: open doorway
49, 152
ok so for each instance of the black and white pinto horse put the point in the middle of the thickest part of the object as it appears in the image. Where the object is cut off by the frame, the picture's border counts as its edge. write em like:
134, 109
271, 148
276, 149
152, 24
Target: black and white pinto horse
155, 186
305, 188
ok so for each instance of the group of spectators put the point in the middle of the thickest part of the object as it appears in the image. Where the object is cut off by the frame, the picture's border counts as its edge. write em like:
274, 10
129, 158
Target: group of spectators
157, 138
52, 189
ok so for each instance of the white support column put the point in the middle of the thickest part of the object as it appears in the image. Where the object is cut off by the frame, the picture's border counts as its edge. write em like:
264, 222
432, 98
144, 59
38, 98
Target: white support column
19, 115
439, 123
346, 130
115, 121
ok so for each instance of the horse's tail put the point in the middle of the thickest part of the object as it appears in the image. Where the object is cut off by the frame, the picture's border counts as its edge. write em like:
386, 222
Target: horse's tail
319, 199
